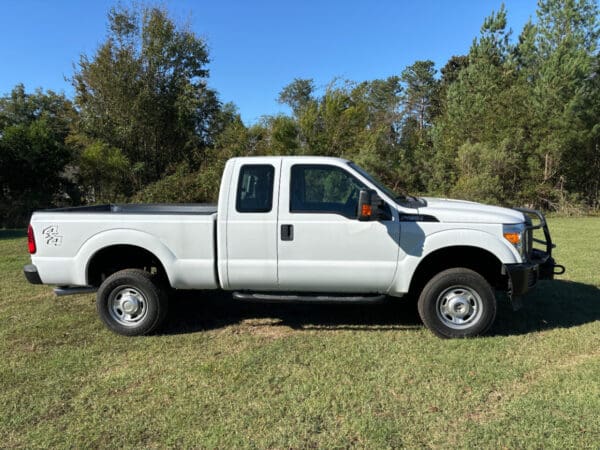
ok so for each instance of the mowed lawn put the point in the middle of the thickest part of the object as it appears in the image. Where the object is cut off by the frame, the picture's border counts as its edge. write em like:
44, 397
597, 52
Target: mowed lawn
230, 375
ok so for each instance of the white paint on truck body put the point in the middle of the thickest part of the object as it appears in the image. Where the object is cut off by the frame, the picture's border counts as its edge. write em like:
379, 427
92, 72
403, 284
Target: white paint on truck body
184, 244
245, 251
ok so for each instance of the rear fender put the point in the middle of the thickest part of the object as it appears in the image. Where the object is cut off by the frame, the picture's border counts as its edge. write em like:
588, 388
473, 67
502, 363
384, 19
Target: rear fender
114, 237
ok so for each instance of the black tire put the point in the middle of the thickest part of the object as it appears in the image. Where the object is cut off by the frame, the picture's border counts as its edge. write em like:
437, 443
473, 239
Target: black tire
135, 291
457, 303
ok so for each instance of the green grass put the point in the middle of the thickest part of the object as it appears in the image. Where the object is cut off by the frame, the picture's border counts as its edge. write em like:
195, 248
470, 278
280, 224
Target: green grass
291, 376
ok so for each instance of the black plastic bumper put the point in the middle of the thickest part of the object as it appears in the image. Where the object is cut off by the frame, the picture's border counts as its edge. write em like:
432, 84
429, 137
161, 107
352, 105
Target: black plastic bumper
522, 277
525, 276
32, 274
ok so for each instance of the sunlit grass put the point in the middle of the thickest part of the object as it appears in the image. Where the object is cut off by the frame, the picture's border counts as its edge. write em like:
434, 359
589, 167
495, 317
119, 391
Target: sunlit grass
225, 374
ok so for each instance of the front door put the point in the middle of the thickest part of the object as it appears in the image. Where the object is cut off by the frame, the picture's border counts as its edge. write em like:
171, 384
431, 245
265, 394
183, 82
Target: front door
322, 246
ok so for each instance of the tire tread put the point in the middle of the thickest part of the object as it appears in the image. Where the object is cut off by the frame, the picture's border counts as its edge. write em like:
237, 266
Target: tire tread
457, 275
148, 283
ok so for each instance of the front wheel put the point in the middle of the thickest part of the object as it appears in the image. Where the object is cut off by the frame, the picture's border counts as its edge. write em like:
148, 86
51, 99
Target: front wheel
130, 302
457, 303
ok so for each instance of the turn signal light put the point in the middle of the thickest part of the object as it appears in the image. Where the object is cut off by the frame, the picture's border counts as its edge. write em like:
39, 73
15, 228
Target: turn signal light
31, 240
513, 238
366, 211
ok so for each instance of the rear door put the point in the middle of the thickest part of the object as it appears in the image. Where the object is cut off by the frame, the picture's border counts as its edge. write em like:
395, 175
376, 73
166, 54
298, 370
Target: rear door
252, 224
322, 245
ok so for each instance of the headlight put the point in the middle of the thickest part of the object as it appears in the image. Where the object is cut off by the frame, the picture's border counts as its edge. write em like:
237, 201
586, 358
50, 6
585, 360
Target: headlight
514, 233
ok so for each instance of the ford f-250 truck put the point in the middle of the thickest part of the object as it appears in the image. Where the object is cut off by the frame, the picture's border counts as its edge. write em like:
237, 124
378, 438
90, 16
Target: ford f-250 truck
293, 229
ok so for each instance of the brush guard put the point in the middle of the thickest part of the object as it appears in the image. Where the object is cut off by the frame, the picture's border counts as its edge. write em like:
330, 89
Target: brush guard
538, 263
547, 266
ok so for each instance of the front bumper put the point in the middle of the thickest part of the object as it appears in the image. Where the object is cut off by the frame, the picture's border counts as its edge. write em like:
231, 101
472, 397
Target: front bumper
522, 277
32, 275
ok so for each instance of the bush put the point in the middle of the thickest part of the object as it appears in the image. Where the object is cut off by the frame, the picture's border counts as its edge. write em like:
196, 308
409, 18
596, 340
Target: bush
183, 186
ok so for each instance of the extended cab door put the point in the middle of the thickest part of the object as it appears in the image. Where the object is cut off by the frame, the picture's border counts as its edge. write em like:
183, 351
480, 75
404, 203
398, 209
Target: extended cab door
322, 245
252, 224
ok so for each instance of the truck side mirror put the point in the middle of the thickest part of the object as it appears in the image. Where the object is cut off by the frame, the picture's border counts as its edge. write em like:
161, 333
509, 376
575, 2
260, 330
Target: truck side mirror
369, 205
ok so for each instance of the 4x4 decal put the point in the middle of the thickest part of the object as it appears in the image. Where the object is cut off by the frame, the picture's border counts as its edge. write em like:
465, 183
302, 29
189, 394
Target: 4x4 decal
51, 236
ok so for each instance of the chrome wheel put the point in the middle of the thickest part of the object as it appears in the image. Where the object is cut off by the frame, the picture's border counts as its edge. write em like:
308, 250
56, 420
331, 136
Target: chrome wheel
459, 307
128, 306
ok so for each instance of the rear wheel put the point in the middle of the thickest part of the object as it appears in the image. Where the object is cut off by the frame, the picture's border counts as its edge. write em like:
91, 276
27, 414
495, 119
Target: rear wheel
457, 303
131, 302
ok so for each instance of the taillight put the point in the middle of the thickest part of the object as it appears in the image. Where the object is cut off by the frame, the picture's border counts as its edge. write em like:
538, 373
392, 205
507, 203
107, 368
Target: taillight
31, 240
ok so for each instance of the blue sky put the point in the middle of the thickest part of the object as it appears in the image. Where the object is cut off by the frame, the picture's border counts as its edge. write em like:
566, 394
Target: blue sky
256, 48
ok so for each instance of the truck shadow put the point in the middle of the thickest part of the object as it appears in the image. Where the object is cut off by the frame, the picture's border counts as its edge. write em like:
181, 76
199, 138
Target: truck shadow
556, 304
553, 304
194, 311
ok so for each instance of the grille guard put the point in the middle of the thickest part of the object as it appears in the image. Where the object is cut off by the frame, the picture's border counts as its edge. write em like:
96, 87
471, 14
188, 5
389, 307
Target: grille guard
547, 266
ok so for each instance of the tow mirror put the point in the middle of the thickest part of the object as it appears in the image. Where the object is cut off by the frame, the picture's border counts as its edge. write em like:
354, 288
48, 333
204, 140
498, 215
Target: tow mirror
370, 205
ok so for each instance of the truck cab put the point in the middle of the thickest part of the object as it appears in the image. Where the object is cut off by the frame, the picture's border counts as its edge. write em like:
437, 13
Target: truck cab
286, 221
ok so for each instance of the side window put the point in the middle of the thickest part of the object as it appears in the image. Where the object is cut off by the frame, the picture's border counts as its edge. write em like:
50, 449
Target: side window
255, 188
324, 189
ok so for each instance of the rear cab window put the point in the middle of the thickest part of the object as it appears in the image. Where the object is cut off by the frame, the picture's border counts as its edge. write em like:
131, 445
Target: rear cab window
255, 188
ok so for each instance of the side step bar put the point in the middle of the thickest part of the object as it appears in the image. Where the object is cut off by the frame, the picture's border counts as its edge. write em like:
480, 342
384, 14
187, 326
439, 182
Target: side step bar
273, 297
73, 290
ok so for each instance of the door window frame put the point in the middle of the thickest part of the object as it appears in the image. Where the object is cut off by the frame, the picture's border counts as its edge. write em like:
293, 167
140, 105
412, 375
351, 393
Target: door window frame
322, 166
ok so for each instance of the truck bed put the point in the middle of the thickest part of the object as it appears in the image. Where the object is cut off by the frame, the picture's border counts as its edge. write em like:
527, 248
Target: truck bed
181, 236
143, 208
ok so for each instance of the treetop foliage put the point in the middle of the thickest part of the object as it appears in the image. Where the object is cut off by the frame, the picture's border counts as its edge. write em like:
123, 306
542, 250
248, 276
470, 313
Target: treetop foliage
515, 121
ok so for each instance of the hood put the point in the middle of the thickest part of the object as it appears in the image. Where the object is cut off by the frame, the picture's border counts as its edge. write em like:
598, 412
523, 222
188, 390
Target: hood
462, 211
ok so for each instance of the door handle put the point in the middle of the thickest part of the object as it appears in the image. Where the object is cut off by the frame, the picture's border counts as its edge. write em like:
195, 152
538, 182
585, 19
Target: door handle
287, 232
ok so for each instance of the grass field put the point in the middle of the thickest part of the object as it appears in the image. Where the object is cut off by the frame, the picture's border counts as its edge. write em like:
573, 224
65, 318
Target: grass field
225, 374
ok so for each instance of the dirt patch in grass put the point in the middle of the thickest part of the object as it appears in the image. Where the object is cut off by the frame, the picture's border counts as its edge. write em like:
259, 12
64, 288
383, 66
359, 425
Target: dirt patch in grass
264, 327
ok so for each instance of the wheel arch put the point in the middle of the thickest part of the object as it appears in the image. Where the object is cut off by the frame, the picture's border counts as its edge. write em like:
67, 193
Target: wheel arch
116, 257
478, 259
128, 246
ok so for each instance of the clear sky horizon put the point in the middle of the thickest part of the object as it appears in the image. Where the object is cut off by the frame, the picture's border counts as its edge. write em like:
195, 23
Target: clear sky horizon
256, 48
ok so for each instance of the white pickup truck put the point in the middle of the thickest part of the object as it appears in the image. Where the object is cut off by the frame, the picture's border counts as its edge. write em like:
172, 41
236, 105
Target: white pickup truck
294, 229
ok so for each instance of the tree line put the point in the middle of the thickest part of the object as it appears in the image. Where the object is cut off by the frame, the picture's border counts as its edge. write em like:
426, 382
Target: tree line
516, 121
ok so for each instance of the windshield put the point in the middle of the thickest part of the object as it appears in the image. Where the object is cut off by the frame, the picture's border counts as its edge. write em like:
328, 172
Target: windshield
377, 183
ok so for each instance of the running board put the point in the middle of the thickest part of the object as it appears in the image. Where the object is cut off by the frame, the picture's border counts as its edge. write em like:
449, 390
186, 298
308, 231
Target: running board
274, 297
73, 290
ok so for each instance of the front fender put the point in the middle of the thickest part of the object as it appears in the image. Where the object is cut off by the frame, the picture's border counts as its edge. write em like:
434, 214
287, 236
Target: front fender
503, 250
430, 242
